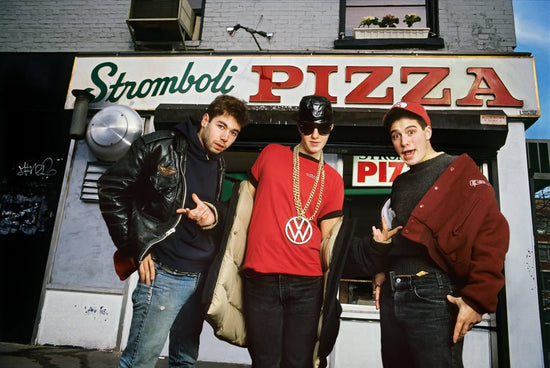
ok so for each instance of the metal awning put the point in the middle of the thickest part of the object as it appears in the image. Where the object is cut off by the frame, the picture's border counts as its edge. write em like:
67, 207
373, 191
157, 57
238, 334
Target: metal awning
357, 130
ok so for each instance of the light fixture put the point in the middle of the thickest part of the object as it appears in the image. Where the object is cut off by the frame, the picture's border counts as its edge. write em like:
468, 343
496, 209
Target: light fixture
232, 30
112, 130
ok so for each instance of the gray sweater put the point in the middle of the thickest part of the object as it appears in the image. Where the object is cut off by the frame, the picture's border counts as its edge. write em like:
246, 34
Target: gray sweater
406, 257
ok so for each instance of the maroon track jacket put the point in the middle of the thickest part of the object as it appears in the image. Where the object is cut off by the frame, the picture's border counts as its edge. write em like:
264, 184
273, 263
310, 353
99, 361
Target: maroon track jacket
459, 222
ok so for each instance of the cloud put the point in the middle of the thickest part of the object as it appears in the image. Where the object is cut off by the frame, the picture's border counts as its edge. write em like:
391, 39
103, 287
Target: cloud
529, 34
531, 22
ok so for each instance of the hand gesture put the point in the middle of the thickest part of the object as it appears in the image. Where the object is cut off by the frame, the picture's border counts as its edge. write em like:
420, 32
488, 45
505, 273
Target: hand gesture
202, 215
146, 270
384, 235
466, 319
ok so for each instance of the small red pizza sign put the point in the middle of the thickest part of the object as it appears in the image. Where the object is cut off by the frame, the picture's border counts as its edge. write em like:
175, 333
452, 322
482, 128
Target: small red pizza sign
376, 171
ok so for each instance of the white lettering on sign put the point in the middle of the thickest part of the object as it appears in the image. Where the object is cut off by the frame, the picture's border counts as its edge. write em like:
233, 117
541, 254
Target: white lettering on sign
376, 171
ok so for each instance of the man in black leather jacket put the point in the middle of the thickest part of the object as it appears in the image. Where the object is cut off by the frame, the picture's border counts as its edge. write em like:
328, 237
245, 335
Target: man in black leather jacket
161, 205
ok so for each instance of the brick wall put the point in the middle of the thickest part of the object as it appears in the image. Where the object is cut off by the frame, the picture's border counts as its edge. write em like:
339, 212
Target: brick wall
100, 26
297, 25
477, 25
64, 26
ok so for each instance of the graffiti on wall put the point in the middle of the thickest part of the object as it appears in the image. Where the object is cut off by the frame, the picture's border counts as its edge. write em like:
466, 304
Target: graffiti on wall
26, 199
43, 169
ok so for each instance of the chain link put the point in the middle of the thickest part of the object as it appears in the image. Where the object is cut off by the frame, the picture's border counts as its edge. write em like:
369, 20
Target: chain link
296, 184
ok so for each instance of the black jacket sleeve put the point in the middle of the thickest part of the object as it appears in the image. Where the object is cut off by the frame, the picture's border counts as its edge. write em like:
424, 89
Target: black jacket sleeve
365, 257
116, 188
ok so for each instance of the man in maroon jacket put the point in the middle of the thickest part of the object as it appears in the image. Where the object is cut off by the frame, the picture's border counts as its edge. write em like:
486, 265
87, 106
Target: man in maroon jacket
448, 244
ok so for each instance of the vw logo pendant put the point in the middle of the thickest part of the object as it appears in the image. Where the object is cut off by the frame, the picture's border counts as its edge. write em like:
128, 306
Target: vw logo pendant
298, 230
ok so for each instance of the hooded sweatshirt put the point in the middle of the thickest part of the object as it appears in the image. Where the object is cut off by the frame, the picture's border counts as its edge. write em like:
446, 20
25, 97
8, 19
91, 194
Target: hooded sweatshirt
189, 248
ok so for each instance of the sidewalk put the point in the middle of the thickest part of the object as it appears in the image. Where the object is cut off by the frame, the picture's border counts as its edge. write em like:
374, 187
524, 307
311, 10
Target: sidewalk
39, 356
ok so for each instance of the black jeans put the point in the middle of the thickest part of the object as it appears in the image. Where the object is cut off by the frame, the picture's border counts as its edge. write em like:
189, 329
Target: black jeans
417, 323
281, 316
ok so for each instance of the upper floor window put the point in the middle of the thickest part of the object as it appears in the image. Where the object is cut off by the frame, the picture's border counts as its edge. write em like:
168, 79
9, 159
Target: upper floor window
398, 34
356, 10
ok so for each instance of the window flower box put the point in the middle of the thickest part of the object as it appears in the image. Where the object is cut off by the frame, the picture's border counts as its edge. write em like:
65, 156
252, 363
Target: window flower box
371, 33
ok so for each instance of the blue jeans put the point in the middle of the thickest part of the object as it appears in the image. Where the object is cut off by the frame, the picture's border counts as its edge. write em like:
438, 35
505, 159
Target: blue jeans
281, 317
417, 323
170, 305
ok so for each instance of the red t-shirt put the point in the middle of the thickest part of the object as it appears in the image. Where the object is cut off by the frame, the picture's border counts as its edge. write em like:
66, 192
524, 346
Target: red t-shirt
269, 250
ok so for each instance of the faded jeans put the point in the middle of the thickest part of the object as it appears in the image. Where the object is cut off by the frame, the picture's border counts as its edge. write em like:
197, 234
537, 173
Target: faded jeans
171, 304
417, 323
281, 316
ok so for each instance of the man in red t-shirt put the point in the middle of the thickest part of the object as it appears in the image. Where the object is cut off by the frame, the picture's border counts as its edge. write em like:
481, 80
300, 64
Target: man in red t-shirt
297, 201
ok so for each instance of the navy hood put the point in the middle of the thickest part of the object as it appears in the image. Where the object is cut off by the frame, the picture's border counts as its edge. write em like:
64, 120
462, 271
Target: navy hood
190, 130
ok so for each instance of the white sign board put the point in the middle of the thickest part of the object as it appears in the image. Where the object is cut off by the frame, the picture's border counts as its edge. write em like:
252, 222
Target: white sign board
352, 81
376, 171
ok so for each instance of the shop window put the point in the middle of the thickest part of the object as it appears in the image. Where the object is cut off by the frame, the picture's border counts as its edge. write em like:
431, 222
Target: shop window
362, 204
423, 33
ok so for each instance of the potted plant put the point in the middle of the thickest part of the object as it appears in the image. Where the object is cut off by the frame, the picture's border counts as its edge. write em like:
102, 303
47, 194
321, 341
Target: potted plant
389, 20
387, 28
411, 18
368, 20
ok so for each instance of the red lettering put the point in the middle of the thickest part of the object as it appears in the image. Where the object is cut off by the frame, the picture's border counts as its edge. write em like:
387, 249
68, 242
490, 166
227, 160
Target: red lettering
433, 77
364, 169
266, 83
322, 74
377, 76
494, 88
383, 175
399, 166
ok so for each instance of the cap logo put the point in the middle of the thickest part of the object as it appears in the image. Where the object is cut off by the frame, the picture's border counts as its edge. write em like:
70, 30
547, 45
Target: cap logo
401, 105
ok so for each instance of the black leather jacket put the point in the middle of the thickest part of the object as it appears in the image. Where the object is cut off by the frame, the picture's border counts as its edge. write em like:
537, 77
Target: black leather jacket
139, 194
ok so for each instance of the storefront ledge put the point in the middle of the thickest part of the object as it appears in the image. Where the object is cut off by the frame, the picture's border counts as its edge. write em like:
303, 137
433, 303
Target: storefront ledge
370, 313
355, 311
390, 43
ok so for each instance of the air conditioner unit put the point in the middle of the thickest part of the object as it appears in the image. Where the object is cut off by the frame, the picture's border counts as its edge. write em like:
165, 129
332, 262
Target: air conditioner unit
161, 22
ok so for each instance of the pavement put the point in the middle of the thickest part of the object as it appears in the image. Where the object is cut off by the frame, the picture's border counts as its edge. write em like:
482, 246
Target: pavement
44, 356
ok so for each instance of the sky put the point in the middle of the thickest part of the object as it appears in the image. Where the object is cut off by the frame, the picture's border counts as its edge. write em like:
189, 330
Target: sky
532, 23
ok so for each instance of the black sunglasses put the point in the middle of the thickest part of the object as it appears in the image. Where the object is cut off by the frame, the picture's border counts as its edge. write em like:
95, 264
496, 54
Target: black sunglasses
308, 127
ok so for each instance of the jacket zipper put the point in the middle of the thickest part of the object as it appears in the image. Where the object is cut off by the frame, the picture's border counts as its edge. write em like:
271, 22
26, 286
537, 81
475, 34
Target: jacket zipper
183, 165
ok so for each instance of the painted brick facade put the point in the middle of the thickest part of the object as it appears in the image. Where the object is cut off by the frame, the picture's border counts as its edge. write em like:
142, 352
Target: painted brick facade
84, 26
477, 25
297, 25
64, 26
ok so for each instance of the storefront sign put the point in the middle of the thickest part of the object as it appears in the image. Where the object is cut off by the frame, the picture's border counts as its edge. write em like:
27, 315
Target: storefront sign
442, 82
376, 171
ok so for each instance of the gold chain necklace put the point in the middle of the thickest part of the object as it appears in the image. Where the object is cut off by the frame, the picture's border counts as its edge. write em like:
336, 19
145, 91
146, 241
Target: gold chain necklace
296, 184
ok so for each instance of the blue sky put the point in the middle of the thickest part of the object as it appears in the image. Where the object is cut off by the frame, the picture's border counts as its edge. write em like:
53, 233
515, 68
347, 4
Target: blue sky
532, 22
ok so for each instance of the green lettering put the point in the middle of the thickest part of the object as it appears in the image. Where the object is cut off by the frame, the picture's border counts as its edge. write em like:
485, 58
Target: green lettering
183, 79
114, 89
98, 82
145, 83
218, 77
162, 84
224, 88
204, 77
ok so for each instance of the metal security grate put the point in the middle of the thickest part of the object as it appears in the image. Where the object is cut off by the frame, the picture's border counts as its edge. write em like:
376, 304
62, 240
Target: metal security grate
93, 172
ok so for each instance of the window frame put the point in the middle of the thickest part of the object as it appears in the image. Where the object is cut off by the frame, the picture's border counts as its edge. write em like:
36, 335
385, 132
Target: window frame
434, 41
